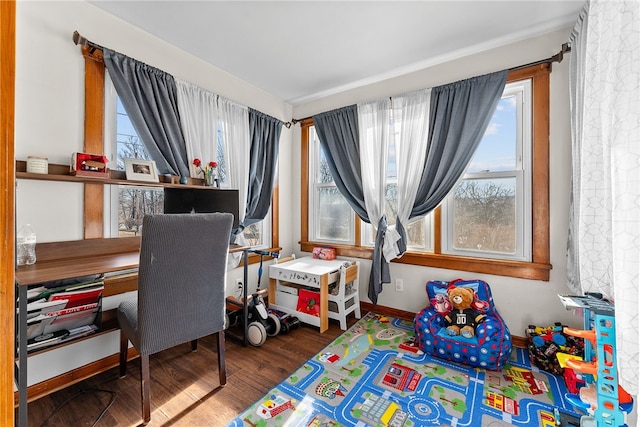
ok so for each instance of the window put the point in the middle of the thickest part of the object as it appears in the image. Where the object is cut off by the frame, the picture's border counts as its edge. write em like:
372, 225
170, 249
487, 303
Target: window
495, 221
333, 219
100, 115
419, 232
331, 216
129, 204
489, 213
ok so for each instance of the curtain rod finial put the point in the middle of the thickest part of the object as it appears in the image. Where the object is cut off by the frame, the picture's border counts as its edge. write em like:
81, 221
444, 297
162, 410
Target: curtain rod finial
78, 39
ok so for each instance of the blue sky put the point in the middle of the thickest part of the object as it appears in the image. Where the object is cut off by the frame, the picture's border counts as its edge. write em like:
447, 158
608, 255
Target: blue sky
497, 151
125, 127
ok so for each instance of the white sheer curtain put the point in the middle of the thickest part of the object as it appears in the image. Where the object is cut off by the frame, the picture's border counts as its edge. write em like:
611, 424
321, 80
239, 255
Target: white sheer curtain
411, 114
199, 122
373, 125
234, 126
604, 232
201, 112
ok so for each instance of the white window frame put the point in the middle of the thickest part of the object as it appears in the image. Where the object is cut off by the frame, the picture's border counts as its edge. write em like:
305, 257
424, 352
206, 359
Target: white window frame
314, 195
111, 196
523, 175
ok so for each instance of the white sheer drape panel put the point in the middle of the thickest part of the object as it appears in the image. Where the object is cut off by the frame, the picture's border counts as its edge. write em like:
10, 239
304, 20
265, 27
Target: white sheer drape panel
199, 122
234, 126
373, 125
605, 221
411, 114
578, 40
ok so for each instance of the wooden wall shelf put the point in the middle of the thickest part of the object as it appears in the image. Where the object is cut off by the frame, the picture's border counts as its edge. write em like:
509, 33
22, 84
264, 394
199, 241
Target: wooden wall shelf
62, 173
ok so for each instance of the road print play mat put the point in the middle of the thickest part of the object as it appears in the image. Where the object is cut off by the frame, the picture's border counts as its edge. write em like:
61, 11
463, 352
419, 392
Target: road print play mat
374, 375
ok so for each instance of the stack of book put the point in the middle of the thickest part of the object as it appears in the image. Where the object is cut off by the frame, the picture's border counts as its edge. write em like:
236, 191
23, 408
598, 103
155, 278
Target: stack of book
61, 313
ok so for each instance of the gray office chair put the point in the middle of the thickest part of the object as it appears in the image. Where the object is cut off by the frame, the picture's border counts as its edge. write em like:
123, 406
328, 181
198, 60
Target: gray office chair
181, 290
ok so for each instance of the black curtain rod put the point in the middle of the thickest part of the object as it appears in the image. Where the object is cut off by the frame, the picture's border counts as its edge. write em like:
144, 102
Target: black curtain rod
79, 40
82, 41
558, 57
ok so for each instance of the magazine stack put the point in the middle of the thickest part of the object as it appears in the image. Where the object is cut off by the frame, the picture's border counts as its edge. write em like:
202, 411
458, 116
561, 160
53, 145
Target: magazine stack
58, 312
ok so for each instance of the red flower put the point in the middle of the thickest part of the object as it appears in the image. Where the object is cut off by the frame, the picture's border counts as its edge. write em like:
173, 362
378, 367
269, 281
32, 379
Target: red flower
207, 170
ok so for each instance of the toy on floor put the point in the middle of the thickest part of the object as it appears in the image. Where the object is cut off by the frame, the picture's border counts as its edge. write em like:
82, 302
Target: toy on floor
288, 322
490, 345
259, 322
549, 334
549, 347
462, 319
565, 419
603, 399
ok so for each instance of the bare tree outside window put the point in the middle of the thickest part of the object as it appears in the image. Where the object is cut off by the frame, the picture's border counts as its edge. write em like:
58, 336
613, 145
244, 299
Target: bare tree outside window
134, 202
334, 217
485, 216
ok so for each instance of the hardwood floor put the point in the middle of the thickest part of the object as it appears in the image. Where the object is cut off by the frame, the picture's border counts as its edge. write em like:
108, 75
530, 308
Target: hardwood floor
183, 384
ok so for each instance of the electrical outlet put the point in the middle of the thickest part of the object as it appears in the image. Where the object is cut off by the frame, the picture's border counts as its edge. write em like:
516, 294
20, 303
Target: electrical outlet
239, 284
399, 285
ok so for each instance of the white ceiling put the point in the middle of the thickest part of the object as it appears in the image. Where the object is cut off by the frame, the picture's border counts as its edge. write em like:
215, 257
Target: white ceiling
302, 50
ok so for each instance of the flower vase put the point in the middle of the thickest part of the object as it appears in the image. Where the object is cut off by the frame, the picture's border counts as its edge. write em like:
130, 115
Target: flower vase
209, 179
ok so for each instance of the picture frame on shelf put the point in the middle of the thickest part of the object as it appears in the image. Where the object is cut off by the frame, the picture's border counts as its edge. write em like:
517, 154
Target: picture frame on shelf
141, 170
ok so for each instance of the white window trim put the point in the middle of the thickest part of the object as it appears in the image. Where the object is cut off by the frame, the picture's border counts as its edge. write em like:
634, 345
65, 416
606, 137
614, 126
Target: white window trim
523, 176
111, 196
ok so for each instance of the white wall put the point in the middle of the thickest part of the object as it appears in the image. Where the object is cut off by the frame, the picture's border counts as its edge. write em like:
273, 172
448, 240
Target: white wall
521, 302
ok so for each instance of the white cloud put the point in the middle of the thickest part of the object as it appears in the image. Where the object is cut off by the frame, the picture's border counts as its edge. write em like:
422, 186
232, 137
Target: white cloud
492, 129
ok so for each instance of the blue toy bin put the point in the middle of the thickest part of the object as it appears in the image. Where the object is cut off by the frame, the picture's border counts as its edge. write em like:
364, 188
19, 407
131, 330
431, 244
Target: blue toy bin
491, 346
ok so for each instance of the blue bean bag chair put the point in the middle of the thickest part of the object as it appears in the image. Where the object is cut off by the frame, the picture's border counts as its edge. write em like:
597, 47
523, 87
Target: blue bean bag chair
491, 346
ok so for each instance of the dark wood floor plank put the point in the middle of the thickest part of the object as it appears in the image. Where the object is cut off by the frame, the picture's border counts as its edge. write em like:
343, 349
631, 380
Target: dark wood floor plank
184, 384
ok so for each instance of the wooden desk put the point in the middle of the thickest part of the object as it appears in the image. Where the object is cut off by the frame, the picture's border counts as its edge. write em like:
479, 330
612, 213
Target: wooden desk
309, 272
63, 260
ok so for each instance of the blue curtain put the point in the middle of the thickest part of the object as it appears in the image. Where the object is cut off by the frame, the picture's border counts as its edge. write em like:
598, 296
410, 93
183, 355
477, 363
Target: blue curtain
150, 98
264, 132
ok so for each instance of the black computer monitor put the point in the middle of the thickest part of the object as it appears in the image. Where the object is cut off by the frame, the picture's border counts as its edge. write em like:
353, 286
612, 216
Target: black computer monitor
194, 200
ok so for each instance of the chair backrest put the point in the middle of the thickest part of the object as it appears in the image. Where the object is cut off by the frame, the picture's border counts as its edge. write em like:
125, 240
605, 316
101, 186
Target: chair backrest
348, 275
285, 259
181, 278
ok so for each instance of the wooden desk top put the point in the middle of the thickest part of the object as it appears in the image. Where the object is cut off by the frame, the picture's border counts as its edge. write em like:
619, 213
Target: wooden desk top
92, 261
74, 267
